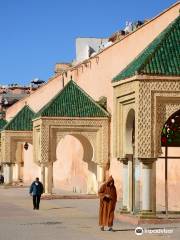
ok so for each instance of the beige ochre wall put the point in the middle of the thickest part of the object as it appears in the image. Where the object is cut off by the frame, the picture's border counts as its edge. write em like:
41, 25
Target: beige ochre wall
37, 99
92, 133
173, 180
24, 167
70, 171
30, 170
95, 77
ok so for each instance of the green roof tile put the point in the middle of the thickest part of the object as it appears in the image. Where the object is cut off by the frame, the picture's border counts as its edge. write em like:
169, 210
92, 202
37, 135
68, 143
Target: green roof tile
72, 101
2, 123
161, 57
22, 121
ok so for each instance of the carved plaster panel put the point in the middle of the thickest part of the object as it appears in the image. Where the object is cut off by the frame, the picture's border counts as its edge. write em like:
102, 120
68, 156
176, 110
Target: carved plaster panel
96, 130
166, 105
125, 99
154, 97
154, 101
9, 141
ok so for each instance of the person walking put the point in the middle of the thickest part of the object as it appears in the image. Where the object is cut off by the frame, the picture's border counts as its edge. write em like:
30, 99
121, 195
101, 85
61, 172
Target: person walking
108, 198
1, 179
36, 189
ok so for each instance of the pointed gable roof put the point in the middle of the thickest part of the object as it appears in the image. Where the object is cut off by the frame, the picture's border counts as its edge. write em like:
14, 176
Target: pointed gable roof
22, 121
161, 57
2, 123
72, 101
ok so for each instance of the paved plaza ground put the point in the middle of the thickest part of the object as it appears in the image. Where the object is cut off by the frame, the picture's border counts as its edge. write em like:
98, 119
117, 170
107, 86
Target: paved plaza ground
64, 219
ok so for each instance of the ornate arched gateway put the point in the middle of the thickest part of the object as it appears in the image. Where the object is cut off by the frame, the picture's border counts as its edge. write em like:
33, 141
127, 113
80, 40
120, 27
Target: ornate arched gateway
71, 112
150, 85
14, 135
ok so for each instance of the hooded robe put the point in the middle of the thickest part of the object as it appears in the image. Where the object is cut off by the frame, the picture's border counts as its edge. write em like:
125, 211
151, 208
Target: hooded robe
108, 199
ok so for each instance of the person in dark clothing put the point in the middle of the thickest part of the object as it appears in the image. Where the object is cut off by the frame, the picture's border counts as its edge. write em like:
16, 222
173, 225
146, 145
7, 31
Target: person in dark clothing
1, 179
35, 191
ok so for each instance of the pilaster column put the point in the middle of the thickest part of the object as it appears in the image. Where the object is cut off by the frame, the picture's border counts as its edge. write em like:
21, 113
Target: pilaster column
148, 186
125, 179
49, 178
137, 178
8, 173
42, 175
100, 174
15, 172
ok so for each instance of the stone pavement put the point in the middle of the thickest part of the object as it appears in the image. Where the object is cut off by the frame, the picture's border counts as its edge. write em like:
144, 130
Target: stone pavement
64, 219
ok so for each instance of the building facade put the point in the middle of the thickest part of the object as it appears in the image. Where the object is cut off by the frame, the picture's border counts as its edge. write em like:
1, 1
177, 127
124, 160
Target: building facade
107, 120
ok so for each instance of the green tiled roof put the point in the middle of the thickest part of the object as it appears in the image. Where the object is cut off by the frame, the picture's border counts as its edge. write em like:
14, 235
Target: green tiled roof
72, 101
161, 57
2, 123
22, 121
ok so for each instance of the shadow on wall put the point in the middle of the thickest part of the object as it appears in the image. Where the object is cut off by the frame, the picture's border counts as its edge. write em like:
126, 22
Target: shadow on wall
88, 154
129, 132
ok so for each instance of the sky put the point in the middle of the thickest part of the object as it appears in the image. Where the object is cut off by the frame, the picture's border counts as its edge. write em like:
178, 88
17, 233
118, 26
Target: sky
37, 34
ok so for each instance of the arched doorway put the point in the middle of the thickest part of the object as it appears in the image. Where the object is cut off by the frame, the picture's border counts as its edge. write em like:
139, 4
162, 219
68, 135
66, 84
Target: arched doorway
74, 168
130, 132
168, 167
71, 112
24, 168
131, 169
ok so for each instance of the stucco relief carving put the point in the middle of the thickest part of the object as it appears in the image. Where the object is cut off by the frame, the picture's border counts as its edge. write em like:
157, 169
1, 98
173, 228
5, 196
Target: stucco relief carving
59, 136
122, 148
171, 108
166, 104
126, 89
154, 96
53, 130
144, 120
9, 141
125, 96
36, 144
5, 148
155, 100
44, 140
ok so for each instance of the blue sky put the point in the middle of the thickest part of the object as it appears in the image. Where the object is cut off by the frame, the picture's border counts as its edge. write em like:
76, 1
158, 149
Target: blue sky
35, 34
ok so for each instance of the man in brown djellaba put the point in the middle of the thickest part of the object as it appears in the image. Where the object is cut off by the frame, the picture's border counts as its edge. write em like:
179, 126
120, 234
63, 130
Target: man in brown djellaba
108, 199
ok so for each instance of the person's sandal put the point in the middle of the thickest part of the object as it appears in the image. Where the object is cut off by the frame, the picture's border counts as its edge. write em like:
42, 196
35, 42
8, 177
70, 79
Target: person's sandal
102, 228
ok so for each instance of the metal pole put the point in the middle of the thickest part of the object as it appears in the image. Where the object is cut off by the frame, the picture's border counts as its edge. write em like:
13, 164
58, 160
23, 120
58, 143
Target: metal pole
133, 184
166, 180
133, 180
